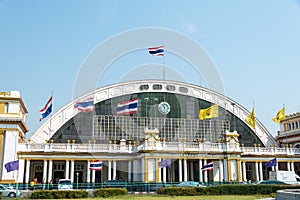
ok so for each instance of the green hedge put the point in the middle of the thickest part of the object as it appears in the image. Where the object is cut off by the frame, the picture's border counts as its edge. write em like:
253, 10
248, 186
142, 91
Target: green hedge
110, 192
58, 194
0, 195
224, 190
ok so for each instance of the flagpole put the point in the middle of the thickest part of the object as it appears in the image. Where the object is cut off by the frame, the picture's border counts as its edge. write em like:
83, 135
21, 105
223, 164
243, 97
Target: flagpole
164, 68
50, 118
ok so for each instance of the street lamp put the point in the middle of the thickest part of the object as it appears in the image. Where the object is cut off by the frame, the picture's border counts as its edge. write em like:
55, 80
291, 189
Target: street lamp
77, 174
146, 99
155, 99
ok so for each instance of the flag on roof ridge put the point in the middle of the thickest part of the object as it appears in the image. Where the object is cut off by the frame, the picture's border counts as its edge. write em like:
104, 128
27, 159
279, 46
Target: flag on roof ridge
46, 110
251, 119
85, 106
280, 116
156, 51
210, 112
127, 107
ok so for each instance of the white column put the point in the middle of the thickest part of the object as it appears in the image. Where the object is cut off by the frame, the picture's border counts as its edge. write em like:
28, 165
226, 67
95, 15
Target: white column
129, 170
200, 171
191, 171
143, 169
164, 174
256, 171
292, 166
93, 176
221, 171
180, 170
109, 170
72, 171
114, 170
45, 171
88, 172
67, 169
50, 171
261, 171
185, 172
205, 173
27, 171
225, 168
288, 166
244, 171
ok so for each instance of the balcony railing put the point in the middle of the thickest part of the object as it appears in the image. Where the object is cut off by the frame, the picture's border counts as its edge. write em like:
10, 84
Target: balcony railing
196, 147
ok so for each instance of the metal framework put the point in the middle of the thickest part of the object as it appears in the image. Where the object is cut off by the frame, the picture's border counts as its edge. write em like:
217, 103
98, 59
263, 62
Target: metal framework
108, 127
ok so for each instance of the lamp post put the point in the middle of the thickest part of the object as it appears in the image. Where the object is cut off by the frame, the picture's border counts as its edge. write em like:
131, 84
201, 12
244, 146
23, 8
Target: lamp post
155, 99
77, 174
146, 99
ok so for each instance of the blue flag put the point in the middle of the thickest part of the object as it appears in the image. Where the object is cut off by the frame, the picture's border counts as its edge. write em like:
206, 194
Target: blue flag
271, 163
165, 163
12, 166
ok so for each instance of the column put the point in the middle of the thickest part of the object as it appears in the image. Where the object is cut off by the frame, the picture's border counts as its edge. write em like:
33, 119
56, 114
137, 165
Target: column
225, 167
129, 170
143, 170
256, 171
191, 171
288, 166
27, 171
45, 171
67, 175
180, 170
158, 170
72, 171
261, 171
200, 171
50, 171
292, 166
185, 171
93, 176
239, 170
244, 171
109, 170
164, 174
114, 170
88, 172
205, 173
221, 171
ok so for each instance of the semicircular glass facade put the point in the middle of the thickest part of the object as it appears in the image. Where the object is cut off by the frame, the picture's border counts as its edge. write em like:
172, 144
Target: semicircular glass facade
175, 116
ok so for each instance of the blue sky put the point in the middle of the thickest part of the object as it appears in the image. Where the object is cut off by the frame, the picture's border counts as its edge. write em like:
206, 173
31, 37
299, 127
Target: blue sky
254, 44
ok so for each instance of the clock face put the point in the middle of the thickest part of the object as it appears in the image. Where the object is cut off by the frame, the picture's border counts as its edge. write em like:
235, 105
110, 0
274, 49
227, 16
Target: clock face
164, 108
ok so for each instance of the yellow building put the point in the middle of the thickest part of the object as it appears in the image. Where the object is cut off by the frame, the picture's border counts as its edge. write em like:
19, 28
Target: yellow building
12, 130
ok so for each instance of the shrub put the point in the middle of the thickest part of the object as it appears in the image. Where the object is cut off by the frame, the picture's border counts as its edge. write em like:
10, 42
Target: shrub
110, 192
233, 189
178, 191
0, 195
58, 194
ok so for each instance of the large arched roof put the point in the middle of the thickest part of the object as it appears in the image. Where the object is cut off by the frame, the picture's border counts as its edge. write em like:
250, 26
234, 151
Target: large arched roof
53, 124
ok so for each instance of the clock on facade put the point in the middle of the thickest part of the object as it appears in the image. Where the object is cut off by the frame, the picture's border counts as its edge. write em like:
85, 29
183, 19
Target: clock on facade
164, 108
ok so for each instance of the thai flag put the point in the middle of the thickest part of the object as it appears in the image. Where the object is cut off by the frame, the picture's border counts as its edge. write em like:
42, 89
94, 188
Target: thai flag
85, 106
96, 165
127, 107
46, 110
157, 51
208, 167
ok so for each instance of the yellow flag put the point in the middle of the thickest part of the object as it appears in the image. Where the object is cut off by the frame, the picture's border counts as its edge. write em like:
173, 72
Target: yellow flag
208, 113
280, 116
251, 119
